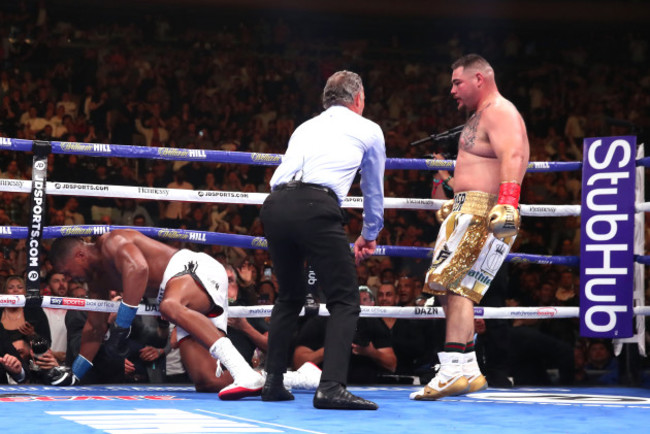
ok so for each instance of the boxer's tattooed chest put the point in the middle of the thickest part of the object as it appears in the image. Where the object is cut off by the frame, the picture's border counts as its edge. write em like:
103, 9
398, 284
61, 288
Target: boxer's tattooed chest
468, 136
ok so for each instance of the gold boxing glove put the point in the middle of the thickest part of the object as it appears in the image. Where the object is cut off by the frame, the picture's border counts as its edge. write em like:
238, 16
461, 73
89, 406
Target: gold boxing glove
503, 221
444, 210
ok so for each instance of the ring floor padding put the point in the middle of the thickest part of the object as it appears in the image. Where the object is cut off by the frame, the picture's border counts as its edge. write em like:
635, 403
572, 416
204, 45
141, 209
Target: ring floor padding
131, 409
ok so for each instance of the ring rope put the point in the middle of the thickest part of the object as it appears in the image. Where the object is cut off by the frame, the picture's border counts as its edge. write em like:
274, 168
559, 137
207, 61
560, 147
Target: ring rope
236, 197
250, 242
264, 311
238, 157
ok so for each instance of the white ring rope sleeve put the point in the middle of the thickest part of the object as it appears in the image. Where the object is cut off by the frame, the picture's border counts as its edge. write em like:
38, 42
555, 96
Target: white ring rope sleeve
235, 197
264, 311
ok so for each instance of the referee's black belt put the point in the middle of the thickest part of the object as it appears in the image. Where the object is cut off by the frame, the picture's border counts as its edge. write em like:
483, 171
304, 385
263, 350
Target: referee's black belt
295, 185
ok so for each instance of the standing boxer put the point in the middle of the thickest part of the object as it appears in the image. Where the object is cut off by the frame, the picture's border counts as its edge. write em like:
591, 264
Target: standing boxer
478, 231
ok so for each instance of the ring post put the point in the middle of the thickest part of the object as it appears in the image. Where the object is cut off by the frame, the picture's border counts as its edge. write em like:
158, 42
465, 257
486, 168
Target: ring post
37, 213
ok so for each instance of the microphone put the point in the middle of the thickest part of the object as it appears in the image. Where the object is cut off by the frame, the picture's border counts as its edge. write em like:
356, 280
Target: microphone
444, 136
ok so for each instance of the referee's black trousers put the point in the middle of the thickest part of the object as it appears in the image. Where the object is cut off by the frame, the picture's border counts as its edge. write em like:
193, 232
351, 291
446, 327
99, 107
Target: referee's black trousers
306, 223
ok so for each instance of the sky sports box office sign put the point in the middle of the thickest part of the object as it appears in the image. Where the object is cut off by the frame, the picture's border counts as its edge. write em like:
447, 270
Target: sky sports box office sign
607, 237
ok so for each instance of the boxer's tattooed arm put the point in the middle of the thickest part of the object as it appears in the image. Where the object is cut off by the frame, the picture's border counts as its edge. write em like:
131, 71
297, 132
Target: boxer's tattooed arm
468, 136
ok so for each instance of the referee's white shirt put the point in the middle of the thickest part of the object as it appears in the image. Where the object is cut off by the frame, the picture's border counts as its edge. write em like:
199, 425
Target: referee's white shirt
329, 149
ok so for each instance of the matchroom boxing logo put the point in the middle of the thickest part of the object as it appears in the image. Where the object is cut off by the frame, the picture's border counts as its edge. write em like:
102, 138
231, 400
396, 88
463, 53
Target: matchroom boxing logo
607, 237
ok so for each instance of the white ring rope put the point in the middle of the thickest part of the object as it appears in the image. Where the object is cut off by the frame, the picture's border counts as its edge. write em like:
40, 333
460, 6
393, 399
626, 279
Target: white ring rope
235, 197
264, 311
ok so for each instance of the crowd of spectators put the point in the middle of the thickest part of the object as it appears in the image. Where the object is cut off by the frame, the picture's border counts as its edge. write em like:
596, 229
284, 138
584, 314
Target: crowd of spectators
245, 83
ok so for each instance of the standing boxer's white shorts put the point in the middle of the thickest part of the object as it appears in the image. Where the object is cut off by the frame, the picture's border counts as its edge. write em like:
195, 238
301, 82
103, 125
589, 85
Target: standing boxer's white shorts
209, 274
467, 256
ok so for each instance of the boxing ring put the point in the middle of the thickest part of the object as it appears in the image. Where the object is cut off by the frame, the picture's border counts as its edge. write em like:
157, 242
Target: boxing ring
177, 408
127, 409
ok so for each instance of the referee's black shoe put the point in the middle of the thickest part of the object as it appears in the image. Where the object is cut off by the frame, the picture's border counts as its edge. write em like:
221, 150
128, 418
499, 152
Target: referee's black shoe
274, 389
334, 396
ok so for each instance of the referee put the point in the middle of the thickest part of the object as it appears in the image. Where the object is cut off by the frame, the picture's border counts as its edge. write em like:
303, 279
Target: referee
303, 221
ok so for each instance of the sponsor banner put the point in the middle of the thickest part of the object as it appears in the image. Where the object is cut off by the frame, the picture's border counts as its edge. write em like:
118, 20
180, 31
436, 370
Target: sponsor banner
429, 311
266, 158
37, 213
82, 231
262, 311
538, 165
538, 209
355, 202
259, 243
173, 234
534, 312
86, 148
102, 305
222, 194
79, 187
14, 185
420, 203
154, 191
607, 237
440, 164
183, 154
65, 301
11, 301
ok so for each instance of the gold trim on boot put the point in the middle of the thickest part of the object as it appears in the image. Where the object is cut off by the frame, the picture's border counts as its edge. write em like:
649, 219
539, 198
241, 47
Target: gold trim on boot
477, 383
458, 387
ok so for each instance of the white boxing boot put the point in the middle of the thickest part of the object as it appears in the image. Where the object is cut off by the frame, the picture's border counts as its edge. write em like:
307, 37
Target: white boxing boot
472, 372
449, 380
307, 377
246, 382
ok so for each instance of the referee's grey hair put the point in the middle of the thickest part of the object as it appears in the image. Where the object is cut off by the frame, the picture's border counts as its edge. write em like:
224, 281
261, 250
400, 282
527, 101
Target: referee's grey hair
341, 88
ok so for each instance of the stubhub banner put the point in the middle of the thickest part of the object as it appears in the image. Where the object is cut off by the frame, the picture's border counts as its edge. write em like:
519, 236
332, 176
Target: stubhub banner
607, 237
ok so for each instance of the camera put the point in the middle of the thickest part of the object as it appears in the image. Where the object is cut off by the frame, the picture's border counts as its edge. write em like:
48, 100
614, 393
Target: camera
40, 345
56, 376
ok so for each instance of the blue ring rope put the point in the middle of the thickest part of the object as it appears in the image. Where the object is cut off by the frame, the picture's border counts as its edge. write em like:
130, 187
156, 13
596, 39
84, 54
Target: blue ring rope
236, 157
251, 242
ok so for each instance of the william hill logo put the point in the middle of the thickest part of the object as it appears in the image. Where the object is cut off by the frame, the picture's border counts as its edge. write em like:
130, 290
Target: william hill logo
71, 146
75, 230
266, 158
259, 242
5, 141
172, 235
188, 153
438, 163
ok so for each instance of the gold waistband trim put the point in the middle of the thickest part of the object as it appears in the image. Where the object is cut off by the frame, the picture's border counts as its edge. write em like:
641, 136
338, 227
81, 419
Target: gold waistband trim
474, 202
